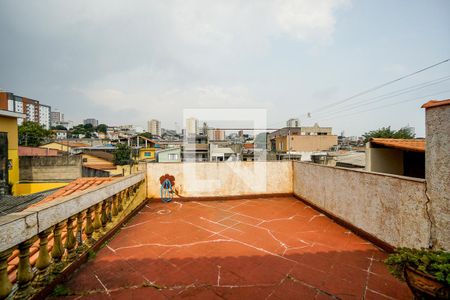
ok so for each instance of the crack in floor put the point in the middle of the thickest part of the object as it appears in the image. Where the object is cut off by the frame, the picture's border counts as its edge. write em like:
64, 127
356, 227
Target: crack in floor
270, 239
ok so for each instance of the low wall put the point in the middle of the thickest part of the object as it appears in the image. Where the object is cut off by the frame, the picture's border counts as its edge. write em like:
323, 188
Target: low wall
35, 168
391, 208
210, 179
21, 226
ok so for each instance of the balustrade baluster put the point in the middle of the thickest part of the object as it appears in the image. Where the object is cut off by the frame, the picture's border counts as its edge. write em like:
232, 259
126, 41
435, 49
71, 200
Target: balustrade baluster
43, 261
70, 241
109, 212
97, 222
89, 229
24, 273
79, 234
114, 206
120, 200
5, 284
58, 249
104, 215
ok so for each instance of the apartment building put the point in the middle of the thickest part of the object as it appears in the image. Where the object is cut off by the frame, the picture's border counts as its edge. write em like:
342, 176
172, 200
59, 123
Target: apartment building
216, 134
92, 121
302, 139
154, 127
32, 109
56, 117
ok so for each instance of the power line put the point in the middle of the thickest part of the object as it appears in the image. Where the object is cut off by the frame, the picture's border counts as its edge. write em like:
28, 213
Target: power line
380, 86
389, 95
387, 105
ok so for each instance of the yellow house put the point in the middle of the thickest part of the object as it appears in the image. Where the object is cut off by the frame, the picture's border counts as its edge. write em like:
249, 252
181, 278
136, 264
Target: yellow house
148, 154
64, 146
9, 149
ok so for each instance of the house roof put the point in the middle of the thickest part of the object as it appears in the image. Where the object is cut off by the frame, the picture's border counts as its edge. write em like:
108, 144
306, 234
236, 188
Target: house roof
11, 204
436, 103
416, 145
102, 167
36, 151
169, 149
100, 154
76, 186
68, 143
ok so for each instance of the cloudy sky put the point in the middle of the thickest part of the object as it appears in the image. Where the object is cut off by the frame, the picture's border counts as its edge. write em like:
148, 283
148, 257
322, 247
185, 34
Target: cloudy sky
125, 62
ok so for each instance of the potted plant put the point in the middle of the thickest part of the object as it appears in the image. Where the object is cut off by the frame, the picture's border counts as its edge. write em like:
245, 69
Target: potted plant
427, 272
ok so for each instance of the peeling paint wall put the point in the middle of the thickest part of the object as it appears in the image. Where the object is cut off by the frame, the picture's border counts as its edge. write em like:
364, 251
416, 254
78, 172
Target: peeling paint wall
390, 207
221, 179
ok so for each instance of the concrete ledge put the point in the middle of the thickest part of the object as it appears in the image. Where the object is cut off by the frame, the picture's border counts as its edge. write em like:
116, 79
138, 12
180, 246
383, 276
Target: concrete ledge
18, 227
364, 172
224, 198
69, 271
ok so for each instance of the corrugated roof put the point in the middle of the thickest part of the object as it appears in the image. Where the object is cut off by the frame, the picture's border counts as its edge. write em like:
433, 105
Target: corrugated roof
436, 103
416, 145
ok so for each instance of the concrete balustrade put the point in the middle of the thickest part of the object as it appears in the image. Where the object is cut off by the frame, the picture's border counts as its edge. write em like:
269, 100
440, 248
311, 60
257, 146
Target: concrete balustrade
75, 223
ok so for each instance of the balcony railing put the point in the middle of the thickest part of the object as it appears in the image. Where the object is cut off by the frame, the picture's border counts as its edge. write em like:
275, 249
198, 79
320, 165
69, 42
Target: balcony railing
41, 244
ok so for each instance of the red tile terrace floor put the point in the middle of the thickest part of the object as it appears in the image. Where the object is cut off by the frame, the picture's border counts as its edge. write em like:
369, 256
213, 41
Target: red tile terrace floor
276, 248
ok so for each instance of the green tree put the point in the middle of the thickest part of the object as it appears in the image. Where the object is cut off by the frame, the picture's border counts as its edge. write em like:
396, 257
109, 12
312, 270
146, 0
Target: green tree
146, 135
32, 134
388, 133
122, 154
59, 127
102, 128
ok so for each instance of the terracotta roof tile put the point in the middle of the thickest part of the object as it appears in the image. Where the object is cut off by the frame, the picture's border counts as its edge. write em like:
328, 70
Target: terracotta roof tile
416, 145
436, 103
81, 184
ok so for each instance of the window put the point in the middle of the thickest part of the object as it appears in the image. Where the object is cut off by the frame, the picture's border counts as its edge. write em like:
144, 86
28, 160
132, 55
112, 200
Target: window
173, 156
147, 154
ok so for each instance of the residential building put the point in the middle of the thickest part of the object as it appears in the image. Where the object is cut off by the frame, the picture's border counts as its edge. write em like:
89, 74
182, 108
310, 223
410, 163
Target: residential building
33, 110
396, 156
303, 130
9, 156
60, 134
93, 122
44, 116
64, 146
217, 153
192, 127
302, 139
294, 122
97, 159
147, 154
216, 134
154, 127
56, 117
301, 143
169, 155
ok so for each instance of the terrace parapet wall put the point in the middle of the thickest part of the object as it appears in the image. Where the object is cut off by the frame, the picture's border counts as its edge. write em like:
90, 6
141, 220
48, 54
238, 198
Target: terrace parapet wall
391, 208
437, 171
76, 224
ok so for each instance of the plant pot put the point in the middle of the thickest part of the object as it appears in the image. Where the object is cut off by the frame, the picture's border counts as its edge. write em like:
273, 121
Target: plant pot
425, 286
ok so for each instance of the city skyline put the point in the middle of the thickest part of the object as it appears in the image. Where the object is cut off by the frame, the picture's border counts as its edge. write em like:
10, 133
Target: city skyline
290, 57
